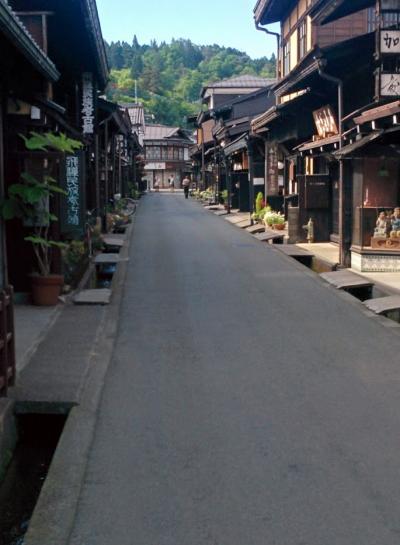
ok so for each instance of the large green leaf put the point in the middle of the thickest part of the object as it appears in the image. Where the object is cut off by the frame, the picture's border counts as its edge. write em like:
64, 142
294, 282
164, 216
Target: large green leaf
38, 240
36, 142
56, 189
29, 178
56, 244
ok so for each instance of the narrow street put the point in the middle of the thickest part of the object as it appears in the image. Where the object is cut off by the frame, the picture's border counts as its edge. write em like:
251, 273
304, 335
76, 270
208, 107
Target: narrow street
247, 402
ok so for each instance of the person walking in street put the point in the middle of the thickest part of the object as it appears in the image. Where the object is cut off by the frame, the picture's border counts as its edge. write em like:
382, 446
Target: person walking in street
171, 183
185, 185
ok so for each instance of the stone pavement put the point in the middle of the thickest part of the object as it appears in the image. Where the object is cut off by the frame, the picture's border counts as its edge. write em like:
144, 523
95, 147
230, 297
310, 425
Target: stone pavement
31, 325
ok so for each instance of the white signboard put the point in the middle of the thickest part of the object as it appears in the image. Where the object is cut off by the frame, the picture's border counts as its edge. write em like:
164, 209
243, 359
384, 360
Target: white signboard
258, 181
155, 166
390, 85
390, 41
87, 103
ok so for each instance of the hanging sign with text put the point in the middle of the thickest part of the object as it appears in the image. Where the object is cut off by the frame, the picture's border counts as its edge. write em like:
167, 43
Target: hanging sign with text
272, 170
390, 41
390, 85
325, 122
88, 103
72, 217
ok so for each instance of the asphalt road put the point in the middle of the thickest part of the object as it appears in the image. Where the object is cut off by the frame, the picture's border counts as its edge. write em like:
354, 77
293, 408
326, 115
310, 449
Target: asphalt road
247, 402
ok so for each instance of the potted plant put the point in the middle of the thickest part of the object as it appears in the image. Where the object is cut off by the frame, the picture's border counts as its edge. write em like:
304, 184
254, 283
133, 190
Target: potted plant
29, 201
224, 198
276, 220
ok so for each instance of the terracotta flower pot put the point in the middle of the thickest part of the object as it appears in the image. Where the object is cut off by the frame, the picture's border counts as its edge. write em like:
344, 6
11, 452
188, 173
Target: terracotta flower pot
46, 289
279, 226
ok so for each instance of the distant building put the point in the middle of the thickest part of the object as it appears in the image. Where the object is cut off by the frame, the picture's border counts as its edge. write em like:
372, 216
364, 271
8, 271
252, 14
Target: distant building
226, 91
137, 117
166, 152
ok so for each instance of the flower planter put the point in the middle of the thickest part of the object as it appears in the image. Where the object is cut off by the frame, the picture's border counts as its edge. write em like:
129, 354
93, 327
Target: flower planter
279, 226
46, 289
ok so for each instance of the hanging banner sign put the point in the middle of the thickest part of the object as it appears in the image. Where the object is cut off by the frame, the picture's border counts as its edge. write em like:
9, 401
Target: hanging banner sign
88, 100
72, 216
390, 41
390, 85
325, 122
272, 170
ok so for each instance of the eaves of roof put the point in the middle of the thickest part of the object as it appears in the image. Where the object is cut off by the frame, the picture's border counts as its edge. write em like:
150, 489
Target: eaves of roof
94, 27
13, 28
325, 11
271, 11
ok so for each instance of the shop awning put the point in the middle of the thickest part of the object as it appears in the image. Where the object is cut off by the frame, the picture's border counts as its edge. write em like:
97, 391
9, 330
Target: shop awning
386, 110
319, 143
358, 144
259, 123
237, 145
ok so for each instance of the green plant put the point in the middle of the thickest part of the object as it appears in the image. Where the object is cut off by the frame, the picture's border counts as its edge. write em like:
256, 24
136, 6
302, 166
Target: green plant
224, 196
274, 218
29, 200
259, 203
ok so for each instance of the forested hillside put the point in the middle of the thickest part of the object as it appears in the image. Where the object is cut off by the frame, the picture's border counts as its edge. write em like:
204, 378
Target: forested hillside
169, 77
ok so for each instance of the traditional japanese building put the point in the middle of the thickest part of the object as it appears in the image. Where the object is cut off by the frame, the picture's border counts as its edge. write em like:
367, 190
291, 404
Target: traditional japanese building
166, 155
230, 104
69, 105
25, 71
369, 147
317, 64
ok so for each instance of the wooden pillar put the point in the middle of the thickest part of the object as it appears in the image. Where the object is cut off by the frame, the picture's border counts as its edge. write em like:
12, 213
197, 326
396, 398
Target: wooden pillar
203, 163
106, 188
97, 171
250, 153
3, 252
113, 164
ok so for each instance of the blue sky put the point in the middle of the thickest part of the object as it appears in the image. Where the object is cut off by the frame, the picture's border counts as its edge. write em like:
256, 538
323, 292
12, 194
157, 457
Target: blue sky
205, 22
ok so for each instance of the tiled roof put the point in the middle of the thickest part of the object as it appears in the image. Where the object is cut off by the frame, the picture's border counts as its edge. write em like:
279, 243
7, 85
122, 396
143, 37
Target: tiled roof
136, 113
11, 26
242, 81
159, 132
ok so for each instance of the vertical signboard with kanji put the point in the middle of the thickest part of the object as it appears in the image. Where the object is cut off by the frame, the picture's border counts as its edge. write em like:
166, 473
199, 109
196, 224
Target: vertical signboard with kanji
272, 170
73, 209
388, 49
88, 104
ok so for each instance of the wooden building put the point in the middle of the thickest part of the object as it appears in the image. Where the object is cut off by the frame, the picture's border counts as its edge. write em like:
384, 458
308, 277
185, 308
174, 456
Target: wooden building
317, 64
369, 149
230, 104
25, 71
68, 105
166, 155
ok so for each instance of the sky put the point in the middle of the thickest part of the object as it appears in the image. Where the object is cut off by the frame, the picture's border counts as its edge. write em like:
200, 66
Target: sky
205, 22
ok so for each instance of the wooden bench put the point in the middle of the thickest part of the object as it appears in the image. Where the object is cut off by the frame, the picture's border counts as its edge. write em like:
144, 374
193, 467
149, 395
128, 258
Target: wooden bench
384, 305
221, 213
299, 254
234, 219
93, 297
243, 224
351, 282
106, 259
270, 236
257, 228
114, 241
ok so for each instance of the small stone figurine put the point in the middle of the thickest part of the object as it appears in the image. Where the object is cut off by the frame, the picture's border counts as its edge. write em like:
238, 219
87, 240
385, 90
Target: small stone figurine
395, 221
381, 225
